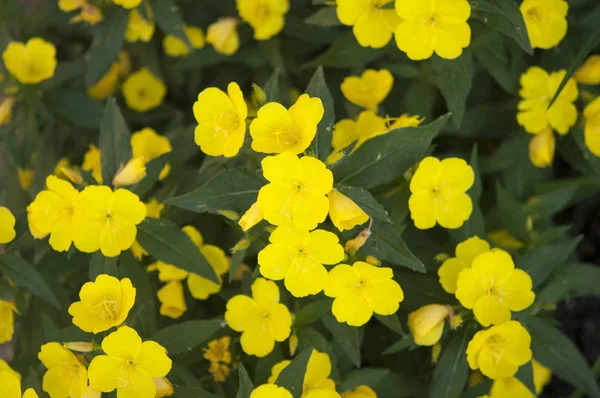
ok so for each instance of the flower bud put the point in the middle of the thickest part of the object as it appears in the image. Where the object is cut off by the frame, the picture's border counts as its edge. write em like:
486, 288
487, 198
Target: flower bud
373, 261
435, 352
164, 388
6, 105
72, 175
133, 172
353, 245
259, 93
293, 343
223, 35
541, 149
589, 72
241, 245
80, 346
427, 323
251, 217
344, 212
230, 214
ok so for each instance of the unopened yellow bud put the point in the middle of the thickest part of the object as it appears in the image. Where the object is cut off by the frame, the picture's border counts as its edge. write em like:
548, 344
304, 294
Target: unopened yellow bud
230, 214
293, 344
79, 346
72, 175
133, 172
373, 261
435, 352
344, 212
261, 97
455, 321
241, 245
541, 149
6, 105
441, 257
353, 245
529, 224
251, 217
427, 323
164, 388
25, 177
589, 72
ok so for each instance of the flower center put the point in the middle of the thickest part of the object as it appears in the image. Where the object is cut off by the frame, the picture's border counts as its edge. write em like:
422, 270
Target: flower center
496, 345
262, 12
536, 14
108, 309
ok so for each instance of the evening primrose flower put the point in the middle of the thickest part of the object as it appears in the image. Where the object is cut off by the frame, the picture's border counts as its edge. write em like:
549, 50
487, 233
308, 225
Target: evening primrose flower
261, 319
129, 365
546, 21
466, 252
347, 131
128, 4
322, 393
513, 387
66, 375
143, 91
270, 391
103, 304
223, 36
26, 177
11, 386
438, 193
360, 392
372, 25
276, 129
132, 173
5, 367
7, 320
266, 17
537, 89
175, 47
138, 28
499, 351
108, 221
541, 148
427, 323
148, 145
6, 106
589, 72
368, 90
344, 212
172, 302
296, 190
361, 290
107, 85
492, 287
433, 26
31, 62
317, 373
251, 217
221, 121
591, 113
91, 162
53, 212
7, 226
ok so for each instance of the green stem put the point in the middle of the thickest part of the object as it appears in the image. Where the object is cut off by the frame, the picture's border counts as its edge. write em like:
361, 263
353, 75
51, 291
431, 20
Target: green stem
596, 370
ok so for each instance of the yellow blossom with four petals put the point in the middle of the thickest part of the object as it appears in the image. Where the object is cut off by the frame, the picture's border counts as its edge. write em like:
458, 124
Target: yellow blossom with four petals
546, 21
266, 17
66, 375
31, 62
369, 89
143, 91
466, 252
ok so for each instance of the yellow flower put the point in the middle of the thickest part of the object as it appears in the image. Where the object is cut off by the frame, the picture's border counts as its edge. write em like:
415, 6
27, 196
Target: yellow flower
361, 290
7, 320
223, 36
175, 47
370, 89
427, 323
148, 145
276, 129
537, 89
124, 62
154, 208
129, 365
541, 148
466, 252
546, 21
513, 387
128, 4
164, 388
296, 190
172, 302
32, 62
90, 14
7, 226
70, 5
104, 304
428, 26
589, 72
591, 113
492, 287
261, 319
317, 373
138, 28
66, 375
143, 91
251, 217
5, 367
107, 85
132, 173
346, 131
500, 350
108, 220
6, 106
322, 393
221, 121
53, 212
344, 212
265, 16
218, 350
91, 162
26, 177
505, 240
372, 25
438, 193
270, 391
360, 392
11, 386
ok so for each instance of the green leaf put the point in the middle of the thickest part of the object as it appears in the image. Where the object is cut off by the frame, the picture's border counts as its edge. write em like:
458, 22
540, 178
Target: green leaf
386, 157
167, 243
235, 189
143, 313
391, 322
542, 261
75, 107
512, 213
27, 276
363, 377
320, 147
183, 391
99, 264
326, 16
503, 61
570, 281
272, 91
246, 386
153, 170
236, 260
115, 141
505, 17
108, 40
292, 377
583, 52
421, 289
556, 351
185, 336
451, 372
198, 60
168, 18
312, 312
345, 52
400, 345
525, 376
454, 78
386, 244
366, 202
346, 336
